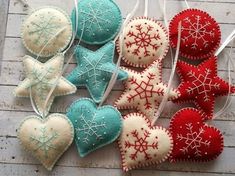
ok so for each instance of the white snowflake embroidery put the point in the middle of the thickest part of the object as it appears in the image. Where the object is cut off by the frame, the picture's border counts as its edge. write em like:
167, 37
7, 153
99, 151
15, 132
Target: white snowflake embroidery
96, 16
197, 31
44, 29
95, 71
90, 128
202, 84
193, 140
44, 142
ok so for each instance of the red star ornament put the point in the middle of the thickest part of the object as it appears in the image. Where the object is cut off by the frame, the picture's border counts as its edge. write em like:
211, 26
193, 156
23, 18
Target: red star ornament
193, 139
145, 40
200, 34
142, 145
144, 90
201, 85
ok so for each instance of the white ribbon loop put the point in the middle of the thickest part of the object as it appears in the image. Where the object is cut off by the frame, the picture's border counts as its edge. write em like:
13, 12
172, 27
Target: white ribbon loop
121, 37
165, 97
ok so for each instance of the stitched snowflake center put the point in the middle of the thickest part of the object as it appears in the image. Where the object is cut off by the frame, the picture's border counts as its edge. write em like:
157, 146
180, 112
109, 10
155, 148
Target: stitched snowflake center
94, 16
141, 145
144, 39
202, 84
44, 142
193, 140
145, 90
197, 30
90, 128
45, 28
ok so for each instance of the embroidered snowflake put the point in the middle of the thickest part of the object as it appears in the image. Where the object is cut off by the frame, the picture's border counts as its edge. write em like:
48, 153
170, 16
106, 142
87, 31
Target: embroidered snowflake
96, 16
193, 140
45, 141
144, 90
141, 145
90, 128
143, 40
197, 31
41, 80
44, 29
94, 70
202, 84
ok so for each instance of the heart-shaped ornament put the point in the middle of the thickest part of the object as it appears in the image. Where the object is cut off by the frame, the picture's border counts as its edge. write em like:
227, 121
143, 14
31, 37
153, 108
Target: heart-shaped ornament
46, 139
193, 139
142, 145
94, 127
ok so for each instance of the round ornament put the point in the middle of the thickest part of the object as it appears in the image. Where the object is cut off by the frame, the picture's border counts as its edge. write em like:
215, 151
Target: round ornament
99, 21
145, 40
47, 28
200, 34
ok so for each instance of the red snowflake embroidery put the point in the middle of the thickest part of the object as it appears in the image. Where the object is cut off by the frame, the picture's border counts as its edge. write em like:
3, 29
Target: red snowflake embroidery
144, 90
143, 39
141, 145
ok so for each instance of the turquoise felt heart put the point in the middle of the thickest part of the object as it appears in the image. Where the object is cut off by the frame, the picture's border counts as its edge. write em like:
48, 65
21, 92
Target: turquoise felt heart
94, 127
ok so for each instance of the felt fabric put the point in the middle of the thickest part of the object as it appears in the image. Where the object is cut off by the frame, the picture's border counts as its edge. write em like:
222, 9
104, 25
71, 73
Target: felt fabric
144, 90
99, 21
94, 126
94, 70
40, 27
145, 40
41, 77
200, 34
142, 145
201, 85
46, 139
193, 139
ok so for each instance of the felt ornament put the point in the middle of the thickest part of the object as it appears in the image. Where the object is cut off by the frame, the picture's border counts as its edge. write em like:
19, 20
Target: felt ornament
40, 78
144, 90
201, 85
46, 139
193, 139
94, 126
145, 40
98, 20
200, 34
142, 144
94, 69
49, 28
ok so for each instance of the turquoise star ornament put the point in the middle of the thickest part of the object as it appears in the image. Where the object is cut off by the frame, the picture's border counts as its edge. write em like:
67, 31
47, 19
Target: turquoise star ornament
99, 21
94, 70
94, 127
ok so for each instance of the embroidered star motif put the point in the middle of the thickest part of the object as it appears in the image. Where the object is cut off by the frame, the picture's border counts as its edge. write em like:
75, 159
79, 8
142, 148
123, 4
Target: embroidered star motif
201, 85
144, 90
41, 77
95, 69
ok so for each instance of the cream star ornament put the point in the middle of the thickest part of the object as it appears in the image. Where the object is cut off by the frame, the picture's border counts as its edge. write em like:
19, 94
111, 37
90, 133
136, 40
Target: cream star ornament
144, 90
41, 77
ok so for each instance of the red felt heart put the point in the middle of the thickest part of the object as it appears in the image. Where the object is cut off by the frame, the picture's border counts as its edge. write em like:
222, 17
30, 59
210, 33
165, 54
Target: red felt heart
193, 139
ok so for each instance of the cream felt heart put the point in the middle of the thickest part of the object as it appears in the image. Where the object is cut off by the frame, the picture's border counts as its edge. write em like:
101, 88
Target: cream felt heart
143, 145
46, 139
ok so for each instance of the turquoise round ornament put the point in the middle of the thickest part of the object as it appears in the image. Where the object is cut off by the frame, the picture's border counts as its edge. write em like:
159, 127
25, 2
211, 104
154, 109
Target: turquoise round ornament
99, 20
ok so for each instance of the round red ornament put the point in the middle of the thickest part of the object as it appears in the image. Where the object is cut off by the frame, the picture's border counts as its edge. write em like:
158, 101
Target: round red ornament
200, 34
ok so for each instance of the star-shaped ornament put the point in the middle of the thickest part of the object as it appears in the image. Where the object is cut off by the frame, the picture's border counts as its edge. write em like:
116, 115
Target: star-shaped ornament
201, 85
41, 77
144, 90
95, 69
